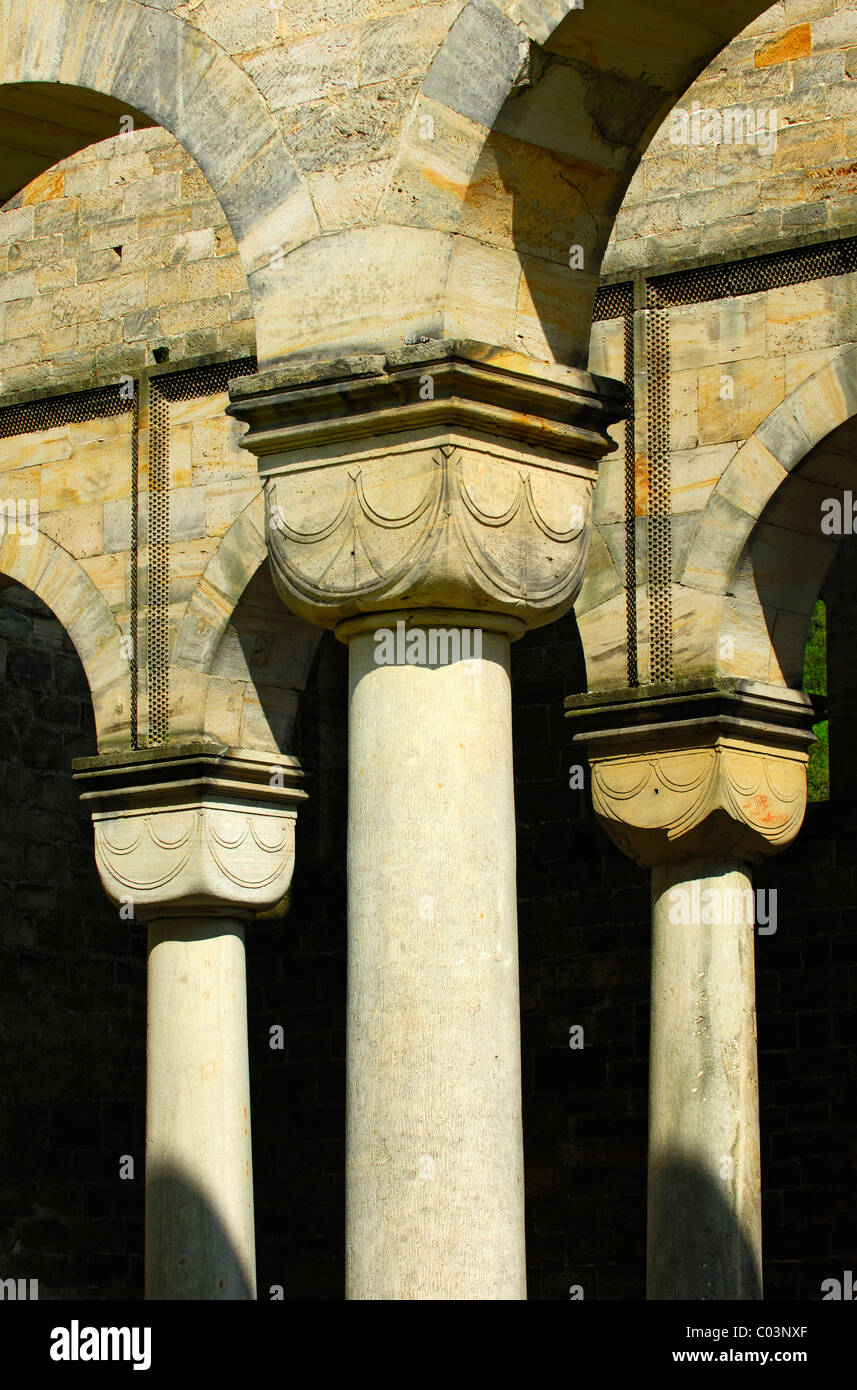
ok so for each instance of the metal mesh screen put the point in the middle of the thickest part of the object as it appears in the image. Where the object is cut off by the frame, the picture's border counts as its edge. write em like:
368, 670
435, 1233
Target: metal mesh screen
781, 268
203, 381
32, 416
659, 512
173, 386
102, 402
158, 624
133, 598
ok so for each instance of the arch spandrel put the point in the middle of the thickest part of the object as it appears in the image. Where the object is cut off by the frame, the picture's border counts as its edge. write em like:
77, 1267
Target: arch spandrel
148, 62
541, 96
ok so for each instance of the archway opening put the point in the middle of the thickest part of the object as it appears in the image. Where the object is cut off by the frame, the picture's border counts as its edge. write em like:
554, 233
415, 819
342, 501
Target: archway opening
72, 990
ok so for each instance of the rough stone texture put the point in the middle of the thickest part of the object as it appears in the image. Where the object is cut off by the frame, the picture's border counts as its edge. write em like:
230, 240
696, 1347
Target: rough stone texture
734, 198
757, 381
138, 269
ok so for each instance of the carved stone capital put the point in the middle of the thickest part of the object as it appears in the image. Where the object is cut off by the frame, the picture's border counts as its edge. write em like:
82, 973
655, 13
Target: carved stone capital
696, 771
447, 475
195, 828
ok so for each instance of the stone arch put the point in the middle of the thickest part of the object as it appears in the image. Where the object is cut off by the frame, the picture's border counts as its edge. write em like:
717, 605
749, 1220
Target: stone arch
761, 525
150, 61
523, 138
810, 412
221, 690
65, 587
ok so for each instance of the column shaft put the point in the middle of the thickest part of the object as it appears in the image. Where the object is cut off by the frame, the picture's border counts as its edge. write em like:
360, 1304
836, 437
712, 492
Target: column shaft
704, 1213
199, 1186
434, 1140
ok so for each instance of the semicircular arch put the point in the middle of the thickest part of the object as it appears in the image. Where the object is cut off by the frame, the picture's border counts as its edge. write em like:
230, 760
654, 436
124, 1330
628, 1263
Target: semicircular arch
55, 577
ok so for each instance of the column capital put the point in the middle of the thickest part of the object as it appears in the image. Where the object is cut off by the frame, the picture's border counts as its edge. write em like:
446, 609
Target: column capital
193, 828
697, 770
446, 474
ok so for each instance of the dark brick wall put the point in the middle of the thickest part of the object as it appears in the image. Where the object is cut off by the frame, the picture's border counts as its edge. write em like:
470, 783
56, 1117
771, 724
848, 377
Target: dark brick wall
72, 990
72, 1013
296, 978
583, 912
807, 1004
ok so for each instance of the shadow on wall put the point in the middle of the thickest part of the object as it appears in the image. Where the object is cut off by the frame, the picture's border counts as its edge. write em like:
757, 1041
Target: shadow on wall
803, 529
709, 1259
269, 650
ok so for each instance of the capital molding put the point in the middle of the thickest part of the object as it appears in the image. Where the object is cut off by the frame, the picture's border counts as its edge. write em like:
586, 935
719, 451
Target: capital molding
446, 475
696, 770
193, 828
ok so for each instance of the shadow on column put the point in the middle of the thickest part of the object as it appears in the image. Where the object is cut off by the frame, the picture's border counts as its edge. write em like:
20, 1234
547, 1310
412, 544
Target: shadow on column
189, 1254
697, 1248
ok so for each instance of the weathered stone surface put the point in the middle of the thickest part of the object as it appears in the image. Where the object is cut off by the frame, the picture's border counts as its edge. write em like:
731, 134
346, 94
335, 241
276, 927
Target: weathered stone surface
451, 79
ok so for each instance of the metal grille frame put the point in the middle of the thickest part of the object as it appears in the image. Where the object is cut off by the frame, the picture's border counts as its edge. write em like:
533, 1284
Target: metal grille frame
103, 402
694, 285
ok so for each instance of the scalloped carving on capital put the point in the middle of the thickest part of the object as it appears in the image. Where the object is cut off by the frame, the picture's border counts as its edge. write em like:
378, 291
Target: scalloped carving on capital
448, 527
724, 800
222, 860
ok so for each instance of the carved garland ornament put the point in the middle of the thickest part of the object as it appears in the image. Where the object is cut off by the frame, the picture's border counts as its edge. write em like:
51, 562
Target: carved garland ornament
448, 548
684, 803
204, 855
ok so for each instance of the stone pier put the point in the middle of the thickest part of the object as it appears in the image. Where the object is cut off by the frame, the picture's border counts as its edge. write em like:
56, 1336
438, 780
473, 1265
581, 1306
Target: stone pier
698, 781
446, 486
193, 840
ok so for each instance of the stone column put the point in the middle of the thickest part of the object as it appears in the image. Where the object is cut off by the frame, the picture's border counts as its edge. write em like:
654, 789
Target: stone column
429, 505
699, 781
194, 840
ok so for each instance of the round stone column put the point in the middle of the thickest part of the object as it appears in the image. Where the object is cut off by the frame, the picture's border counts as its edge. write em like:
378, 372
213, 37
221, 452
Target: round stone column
194, 840
697, 782
439, 488
434, 1142
704, 1194
200, 1240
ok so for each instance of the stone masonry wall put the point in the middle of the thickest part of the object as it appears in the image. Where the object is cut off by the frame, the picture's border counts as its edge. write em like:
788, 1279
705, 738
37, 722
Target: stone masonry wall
724, 200
118, 252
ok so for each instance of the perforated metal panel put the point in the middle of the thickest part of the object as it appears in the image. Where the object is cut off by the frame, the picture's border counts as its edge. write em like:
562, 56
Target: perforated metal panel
703, 284
102, 402
793, 267
173, 386
613, 302
158, 624
51, 411
187, 385
134, 600
659, 511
